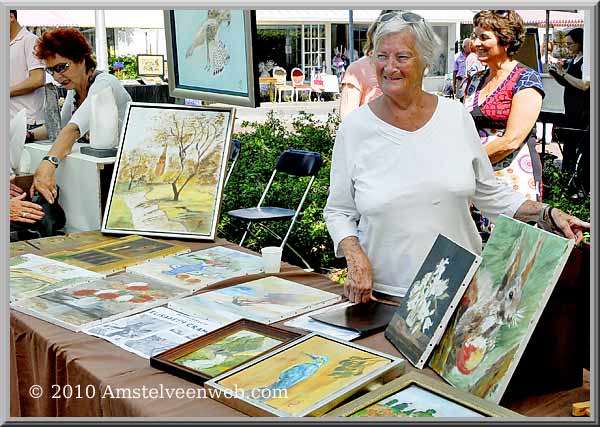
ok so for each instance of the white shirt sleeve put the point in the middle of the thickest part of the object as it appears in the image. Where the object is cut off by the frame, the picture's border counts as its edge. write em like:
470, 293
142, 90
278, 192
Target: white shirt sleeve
340, 211
67, 109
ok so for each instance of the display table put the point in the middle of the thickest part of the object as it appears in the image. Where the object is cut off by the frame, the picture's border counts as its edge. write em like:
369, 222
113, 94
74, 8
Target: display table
83, 181
53, 357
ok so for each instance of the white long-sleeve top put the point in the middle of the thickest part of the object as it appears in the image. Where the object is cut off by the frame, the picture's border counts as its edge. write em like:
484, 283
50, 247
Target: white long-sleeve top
81, 117
396, 190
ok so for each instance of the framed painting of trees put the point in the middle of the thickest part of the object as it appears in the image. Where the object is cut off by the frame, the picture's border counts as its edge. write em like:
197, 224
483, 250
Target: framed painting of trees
169, 174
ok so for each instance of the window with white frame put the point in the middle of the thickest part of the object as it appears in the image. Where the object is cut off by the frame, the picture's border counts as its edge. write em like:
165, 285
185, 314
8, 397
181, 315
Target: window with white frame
314, 47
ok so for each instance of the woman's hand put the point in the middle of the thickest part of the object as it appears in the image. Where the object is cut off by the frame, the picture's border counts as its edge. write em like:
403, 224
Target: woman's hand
15, 190
23, 211
571, 227
44, 181
359, 281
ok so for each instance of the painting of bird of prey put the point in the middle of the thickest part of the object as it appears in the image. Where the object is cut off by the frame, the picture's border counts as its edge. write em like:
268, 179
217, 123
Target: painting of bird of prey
497, 314
265, 300
211, 53
304, 377
420, 320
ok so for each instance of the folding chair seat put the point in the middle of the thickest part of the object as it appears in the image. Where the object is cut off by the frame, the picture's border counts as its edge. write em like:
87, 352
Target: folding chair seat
297, 163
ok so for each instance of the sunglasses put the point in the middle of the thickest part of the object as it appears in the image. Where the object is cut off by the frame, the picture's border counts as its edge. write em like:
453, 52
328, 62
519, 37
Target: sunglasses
410, 17
58, 68
501, 13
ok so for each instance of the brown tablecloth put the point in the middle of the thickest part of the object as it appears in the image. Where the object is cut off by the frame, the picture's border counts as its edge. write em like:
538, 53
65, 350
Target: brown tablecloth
48, 356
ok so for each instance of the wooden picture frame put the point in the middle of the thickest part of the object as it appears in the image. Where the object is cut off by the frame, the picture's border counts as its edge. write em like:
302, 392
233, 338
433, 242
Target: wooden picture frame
431, 385
164, 183
217, 70
150, 65
306, 377
167, 361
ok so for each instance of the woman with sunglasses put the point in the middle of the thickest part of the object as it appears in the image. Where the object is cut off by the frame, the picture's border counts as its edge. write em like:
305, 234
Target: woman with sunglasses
505, 100
406, 166
68, 59
359, 85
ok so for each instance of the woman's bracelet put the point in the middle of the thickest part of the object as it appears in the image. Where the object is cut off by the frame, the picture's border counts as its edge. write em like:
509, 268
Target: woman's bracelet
554, 224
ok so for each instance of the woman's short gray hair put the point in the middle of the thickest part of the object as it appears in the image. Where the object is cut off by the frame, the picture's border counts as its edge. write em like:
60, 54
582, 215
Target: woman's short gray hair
427, 43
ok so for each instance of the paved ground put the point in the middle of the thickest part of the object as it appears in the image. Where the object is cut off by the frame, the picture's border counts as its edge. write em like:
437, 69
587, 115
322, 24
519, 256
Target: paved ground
287, 110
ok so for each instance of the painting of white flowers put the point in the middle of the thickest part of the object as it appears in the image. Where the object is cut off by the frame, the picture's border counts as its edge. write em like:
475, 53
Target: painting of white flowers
420, 320
170, 169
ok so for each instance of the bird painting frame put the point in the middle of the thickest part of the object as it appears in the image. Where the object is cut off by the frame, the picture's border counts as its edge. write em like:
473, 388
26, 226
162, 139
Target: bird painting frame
306, 377
174, 360
210, 55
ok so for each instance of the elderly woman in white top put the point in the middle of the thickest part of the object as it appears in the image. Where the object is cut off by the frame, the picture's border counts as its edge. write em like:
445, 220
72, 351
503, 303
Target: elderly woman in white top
406, 166
68, 58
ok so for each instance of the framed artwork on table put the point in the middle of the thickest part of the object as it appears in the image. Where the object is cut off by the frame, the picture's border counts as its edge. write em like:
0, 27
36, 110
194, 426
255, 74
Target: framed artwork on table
421, 318
169, 171
306, 377
221, 350
211, 55
417, 395
150, 65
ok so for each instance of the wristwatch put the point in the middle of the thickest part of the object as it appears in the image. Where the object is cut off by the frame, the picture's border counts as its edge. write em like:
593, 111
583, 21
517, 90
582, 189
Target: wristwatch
52, 159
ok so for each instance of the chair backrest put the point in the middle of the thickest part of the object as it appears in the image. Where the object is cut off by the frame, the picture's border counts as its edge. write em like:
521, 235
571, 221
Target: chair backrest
299, 162
297, 76
234, 154
280, 74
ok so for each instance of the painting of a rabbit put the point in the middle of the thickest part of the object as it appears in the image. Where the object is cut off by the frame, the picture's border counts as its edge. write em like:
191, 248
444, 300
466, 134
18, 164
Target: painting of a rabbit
497, 314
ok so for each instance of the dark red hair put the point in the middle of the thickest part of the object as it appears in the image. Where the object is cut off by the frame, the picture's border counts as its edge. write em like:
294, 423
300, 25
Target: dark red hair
67, 42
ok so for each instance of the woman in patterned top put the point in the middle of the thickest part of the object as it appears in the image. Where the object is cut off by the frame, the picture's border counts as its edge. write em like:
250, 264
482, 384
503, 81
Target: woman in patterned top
505, 100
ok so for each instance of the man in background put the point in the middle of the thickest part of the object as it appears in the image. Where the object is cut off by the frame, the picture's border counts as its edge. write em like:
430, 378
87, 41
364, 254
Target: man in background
460, 70
27, 77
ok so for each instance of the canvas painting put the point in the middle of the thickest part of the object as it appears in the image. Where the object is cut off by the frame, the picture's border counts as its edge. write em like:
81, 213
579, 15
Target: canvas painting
415, 395
198, 269
498, 313
303, 377
117, 254
32, 275
211, 53
414, 401
150, 65
265, 300
99, 301
169, 172
421, 318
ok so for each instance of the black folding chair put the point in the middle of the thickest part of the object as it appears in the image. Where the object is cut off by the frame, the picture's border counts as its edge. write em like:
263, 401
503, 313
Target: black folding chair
575, 150
292, 162
234, 154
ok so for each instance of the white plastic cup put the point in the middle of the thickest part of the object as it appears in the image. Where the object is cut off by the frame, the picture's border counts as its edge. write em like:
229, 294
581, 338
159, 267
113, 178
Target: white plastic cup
271, 256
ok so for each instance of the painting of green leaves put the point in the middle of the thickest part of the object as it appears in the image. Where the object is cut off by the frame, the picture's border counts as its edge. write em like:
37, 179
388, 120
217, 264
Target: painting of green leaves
224, 354
497, 314
170, 169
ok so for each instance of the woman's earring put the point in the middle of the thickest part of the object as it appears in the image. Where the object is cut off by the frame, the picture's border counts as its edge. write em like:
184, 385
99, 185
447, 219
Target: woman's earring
426, 71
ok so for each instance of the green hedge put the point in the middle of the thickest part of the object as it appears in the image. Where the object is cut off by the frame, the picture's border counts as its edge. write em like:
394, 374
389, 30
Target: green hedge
261, 145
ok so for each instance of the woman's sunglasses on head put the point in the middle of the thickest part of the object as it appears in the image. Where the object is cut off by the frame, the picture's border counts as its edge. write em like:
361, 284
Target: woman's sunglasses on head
58, 68
409, 17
